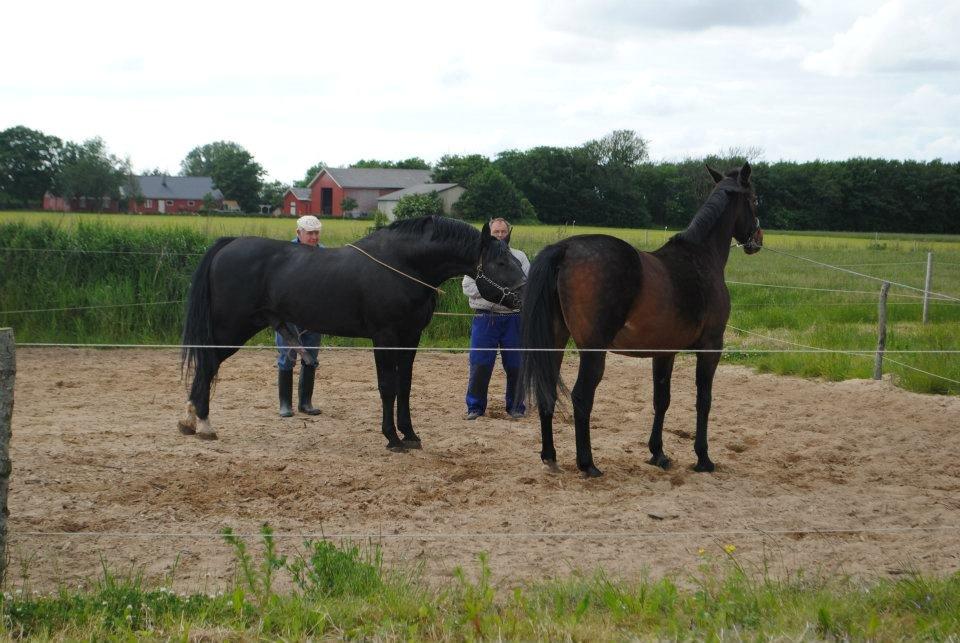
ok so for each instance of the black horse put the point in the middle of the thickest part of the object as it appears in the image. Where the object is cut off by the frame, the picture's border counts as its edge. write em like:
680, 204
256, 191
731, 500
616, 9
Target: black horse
609, 296
246, 284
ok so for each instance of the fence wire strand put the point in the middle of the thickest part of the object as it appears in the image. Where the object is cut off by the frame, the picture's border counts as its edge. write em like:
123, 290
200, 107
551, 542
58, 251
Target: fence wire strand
524, 535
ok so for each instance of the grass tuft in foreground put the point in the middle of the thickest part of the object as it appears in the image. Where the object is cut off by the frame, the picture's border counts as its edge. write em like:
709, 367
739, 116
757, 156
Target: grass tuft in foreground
346, 592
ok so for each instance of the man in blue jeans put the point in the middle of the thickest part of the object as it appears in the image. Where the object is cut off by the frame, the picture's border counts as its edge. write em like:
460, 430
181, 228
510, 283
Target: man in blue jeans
494, 326
308, 233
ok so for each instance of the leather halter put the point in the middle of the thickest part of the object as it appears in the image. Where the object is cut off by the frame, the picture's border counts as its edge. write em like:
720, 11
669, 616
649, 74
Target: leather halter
504, 291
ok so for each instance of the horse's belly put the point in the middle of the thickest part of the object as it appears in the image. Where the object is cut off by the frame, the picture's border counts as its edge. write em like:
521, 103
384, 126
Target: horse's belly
655, 336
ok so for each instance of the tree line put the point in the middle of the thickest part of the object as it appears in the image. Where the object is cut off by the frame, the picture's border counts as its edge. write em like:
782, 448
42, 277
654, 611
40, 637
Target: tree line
609, 181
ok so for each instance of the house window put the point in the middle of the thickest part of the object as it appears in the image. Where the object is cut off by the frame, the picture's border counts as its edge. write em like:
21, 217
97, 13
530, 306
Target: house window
191, 203
148, 203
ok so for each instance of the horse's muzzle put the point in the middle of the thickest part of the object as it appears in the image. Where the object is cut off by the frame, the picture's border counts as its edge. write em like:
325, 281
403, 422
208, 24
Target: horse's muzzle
755, 243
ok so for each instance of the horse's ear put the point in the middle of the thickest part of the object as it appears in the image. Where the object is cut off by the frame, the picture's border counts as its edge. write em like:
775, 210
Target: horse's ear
745, 174
485, 234
717, 177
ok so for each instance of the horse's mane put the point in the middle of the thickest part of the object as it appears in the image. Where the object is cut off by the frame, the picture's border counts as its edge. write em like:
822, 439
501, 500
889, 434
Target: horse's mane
706, 217
441, 229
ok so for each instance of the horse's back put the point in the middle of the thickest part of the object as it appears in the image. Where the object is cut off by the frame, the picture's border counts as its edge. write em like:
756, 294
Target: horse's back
614, 296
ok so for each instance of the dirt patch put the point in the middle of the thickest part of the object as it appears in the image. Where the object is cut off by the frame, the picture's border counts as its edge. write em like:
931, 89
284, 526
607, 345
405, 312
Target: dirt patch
96, 449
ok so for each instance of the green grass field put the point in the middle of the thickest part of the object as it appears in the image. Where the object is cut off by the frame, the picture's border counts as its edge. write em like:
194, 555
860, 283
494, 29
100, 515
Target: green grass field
780, 303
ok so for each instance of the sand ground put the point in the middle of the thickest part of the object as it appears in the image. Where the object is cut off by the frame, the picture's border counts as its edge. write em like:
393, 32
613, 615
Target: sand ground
95, 450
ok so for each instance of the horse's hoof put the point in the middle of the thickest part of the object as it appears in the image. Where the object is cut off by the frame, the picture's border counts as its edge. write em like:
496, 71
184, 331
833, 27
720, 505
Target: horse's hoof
396, 448
551, 465
661, 461
591, 472
207, 435
412, 444
704, 467
186, 428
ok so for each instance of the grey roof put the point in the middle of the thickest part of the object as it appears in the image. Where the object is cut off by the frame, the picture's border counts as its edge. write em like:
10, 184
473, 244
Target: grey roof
377, 178
177, 187
423, 188
302, 194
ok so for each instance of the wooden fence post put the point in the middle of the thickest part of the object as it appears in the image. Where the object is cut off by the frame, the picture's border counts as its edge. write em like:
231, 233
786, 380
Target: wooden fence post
881, 331
926, 286
8, 371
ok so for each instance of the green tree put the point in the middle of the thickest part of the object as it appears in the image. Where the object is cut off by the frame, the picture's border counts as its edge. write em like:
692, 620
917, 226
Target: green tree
88, 171
560, 182
311, 174
209, 203
620, 148
412, 163
490, 194
348, 204
271, 193
29, 164
452, 168
411, 206
232, 168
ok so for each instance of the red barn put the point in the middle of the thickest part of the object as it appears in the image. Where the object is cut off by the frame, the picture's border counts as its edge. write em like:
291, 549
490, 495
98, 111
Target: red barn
172, 194
333, 184
147, 195
296, 202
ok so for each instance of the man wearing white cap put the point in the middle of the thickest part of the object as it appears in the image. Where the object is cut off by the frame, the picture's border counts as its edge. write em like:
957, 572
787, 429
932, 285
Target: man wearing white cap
308, 234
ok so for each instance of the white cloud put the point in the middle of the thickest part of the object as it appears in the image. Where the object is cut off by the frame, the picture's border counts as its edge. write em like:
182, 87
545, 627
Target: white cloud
296, 82
900, 36
606, 18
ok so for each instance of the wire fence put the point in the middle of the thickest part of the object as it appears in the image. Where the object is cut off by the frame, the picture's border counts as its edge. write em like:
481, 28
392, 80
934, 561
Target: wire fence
941, 298
935, 297
489, 535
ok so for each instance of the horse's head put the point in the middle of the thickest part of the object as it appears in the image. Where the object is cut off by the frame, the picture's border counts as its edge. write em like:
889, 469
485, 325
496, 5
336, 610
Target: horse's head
499, 277
746, 226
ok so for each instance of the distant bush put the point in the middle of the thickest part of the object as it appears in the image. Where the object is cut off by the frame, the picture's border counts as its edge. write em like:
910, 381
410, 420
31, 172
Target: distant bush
412, 206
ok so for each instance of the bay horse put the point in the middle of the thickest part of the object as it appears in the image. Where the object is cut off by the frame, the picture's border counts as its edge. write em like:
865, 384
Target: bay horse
609, 296
243, 285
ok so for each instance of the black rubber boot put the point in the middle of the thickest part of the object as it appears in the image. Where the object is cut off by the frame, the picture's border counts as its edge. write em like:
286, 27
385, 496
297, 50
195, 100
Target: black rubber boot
307, 376
285, 386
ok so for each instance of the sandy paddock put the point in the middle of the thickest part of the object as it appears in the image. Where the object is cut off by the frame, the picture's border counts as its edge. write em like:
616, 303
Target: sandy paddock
96, 449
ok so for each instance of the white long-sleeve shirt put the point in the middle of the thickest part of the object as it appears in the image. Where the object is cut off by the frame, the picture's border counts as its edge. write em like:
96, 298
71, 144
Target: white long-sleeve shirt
473, 293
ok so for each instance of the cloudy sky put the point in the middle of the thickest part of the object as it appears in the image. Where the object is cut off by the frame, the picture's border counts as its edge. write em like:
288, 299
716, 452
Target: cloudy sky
300, 82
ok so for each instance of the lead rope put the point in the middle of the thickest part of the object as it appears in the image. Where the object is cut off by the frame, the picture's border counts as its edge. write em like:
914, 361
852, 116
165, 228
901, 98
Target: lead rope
400, 272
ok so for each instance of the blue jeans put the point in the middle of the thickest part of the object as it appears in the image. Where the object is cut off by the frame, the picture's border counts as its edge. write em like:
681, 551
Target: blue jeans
287, 357
494, 331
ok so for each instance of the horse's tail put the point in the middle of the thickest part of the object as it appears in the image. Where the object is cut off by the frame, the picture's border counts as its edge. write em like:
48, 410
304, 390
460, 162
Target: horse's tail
196, 354
541, 306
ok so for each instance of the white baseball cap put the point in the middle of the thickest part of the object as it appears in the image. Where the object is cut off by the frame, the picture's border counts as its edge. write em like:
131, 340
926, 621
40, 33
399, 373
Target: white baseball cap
309, 223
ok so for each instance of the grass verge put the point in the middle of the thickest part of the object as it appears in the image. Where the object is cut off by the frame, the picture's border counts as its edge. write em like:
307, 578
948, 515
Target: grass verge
345, 591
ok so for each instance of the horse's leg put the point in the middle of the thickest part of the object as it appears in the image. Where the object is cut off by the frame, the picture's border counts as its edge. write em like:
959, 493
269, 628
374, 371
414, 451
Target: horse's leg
198, 408
386, 361
662, 372
404, 381
548, 454
706, 368
588, 378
